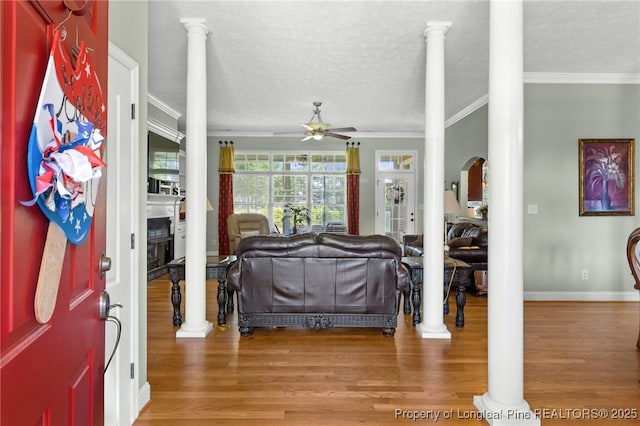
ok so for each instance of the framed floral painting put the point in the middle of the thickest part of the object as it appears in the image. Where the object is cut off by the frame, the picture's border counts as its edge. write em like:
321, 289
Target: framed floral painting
606, 177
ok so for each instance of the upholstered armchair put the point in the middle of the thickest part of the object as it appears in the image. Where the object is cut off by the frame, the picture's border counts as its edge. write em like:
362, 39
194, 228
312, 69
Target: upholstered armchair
240, 225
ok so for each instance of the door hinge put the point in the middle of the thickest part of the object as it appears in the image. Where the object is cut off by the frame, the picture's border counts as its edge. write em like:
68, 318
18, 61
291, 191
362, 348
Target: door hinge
133, 241
133, 111
133, 370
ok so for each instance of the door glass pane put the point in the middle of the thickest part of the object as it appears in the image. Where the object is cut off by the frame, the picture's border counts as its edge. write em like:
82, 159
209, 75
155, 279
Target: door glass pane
395, 207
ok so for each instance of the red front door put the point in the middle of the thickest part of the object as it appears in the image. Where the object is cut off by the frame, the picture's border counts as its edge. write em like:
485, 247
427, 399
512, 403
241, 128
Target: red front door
50, 373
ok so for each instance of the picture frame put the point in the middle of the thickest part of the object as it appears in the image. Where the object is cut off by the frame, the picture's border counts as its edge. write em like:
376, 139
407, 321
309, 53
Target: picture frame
606, 170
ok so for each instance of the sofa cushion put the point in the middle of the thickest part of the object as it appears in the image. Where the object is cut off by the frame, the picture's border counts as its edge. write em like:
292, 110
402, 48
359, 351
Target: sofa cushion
460, 242
469, 229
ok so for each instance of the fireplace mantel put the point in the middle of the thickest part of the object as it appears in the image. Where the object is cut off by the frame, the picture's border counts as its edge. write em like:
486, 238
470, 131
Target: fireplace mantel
159, 205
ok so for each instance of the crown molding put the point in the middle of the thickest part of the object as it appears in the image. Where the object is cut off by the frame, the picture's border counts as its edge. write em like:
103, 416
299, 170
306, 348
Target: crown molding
581, 78
479, 103
163, 107
354, 135
163, 130
553, 78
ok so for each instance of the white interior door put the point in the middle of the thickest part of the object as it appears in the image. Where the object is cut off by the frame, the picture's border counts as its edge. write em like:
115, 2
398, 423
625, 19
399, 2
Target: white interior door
395, 204
120, 394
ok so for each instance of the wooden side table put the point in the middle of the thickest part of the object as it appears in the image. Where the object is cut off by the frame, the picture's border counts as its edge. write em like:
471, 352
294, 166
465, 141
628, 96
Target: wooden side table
456, 275
217, 269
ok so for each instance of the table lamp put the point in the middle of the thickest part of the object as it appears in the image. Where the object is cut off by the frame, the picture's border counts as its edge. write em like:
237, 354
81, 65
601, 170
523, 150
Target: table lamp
183, 208
451, 206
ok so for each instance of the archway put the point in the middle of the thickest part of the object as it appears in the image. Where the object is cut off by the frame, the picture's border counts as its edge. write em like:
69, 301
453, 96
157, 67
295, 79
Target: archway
473, 190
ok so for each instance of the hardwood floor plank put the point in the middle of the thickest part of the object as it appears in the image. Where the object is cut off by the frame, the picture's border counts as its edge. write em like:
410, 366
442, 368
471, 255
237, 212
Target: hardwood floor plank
578, 355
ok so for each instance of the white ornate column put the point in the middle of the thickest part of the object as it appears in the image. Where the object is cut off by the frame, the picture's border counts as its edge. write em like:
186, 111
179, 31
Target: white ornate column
196, 324
432, 325
503, 402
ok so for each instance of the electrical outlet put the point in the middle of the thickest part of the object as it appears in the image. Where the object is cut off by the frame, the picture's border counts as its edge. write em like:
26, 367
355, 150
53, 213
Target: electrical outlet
532, 208
585, 274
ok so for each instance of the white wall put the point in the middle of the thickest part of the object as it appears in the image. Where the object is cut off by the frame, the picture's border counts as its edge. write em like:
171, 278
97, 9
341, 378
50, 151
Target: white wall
128, 30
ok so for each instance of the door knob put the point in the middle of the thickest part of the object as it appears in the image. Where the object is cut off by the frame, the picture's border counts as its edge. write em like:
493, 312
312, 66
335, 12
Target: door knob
104, 305
105, 264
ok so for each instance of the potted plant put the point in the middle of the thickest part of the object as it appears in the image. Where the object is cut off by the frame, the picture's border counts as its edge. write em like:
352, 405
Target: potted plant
300, 215
484, 211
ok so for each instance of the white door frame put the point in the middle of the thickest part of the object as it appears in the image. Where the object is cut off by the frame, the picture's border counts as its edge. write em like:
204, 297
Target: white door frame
410, 195
122, 142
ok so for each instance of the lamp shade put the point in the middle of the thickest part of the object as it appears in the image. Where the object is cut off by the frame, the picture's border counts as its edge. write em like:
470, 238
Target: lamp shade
451, 205
183, 207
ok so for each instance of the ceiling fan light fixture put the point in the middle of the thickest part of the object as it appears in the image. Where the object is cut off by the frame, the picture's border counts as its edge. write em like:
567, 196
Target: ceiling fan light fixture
318, 130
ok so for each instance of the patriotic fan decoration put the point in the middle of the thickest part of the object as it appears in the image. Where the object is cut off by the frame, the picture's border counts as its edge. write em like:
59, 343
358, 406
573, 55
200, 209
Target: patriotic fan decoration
64, 161
65, 145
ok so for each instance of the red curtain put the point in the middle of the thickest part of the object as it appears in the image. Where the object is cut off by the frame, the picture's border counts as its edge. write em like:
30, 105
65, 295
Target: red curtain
225, 200
353, 188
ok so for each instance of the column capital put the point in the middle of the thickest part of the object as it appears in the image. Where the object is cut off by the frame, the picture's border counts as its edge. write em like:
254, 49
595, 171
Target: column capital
193, 25
437, 27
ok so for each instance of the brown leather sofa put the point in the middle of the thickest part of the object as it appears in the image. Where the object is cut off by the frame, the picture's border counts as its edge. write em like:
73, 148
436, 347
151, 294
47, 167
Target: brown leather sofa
318, 281
467, 241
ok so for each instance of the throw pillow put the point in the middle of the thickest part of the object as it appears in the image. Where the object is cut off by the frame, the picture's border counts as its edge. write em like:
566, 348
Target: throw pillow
460, 242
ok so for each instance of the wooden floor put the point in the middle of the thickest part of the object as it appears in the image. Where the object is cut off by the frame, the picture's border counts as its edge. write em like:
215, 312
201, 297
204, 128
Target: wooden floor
578, 356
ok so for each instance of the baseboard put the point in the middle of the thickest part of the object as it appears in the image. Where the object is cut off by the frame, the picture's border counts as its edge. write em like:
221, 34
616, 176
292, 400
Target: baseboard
144, 396
589, 296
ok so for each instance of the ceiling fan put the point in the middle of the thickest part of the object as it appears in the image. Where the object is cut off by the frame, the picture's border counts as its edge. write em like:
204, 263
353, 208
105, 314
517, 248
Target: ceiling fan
318, 130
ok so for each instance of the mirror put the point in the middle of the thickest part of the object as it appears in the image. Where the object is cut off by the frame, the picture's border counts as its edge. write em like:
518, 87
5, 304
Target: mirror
164, 159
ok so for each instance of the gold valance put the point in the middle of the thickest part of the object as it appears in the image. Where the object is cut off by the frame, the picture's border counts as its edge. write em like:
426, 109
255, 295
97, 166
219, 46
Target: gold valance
353, 159
226, 158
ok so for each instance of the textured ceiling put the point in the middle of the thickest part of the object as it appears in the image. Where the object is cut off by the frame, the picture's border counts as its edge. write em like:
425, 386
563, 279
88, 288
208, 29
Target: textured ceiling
267, 61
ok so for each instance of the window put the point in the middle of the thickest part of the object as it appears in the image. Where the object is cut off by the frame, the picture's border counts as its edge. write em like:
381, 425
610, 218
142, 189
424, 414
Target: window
265, 182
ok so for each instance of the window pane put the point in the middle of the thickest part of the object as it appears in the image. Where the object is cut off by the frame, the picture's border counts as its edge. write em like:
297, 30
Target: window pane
251, 162
329, 163
396, 162
290, 162
266, 182
251, 193
328, 199
289, 189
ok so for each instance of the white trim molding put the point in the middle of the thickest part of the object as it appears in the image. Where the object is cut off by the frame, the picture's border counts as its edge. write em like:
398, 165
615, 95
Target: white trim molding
582, 296
163, 107
479, 103
581, 78
163, 130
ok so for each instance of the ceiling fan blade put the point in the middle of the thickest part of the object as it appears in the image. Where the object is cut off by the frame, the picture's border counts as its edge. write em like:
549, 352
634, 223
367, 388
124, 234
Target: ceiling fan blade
306, 138
335, 135
344, 129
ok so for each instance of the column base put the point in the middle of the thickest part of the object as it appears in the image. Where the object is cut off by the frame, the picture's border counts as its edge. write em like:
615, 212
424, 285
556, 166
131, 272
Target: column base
439, 332
199, 331
497, 414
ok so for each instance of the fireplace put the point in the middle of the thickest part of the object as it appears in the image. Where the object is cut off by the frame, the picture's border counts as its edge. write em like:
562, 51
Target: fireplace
159, 246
